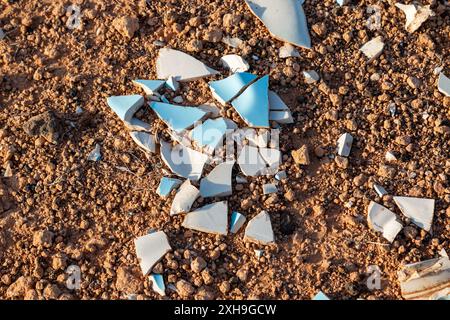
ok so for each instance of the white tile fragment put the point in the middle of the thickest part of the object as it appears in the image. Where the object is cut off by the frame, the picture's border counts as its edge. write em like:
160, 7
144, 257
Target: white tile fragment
181, 66
344, 144
383, 220
234, 63
258, 253
379, 190
178, 118
172, 84
178, 99
269, 188
125, 106
158, 285
373, 48
184, 198
150, 87
259, 229
241, 179
390, 157
281, 175
237, 221
288, 50
311, 76
137, 125
218, 182
283, 117
150, 249
419, 210
444, 84
250, 161
144, 140
211, 218
415, 14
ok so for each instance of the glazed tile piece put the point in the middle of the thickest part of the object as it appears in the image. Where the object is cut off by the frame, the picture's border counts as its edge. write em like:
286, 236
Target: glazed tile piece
210, 133
444, 84
125, 106
181, 66
185, 197
321, 296
218, 182
166, 185
285, 20
259, 229
212, 218
269, 188
235, 63
250, 161
380, 190
144, 140
419, 210
178, 118
150, 87
237, 221
158, 285
311, 76
415, 14
275, 102
172, 84
226, 89
253, 104
383, 220
150, 249
137, 125
283, 117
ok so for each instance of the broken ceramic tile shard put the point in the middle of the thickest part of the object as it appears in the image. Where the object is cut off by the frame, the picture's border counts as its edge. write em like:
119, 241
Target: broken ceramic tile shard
137, 125
259, 229
380, 190
144, 140
172, 84
164, 99
182, 161
218, 182
125, 106
241, 179
429, 279
250, 161
285, 20
283, 117
373, 48
275, 102
184, 198
415, 14
211, 109
269, 188
210, 133
226, 89
95, 155
166, 185
311, 76
181, 66
288, 50
235, 63
390, 157
281, 175
272, 157
253, 104
150, 249
178, 118
444, 85
150, 87
344, 145
212, 218
237, 221
383, 220
158, 285
258, 253
419, 210
321, 296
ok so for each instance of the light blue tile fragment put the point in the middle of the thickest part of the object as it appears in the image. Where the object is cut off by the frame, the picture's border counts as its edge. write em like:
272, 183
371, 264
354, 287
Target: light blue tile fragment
218, 182
172, 84
226, 89
253, 104
166, 185
320, 296
210, 133
178, 118
95, 155
158, 283
125, 106
149, 86
164, 99
237, 221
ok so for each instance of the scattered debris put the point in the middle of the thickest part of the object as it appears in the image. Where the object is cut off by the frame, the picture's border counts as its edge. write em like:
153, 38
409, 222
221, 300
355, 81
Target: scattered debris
211, 218
269, 188
320, 295
8, 170
311, 76
379, 190
177, 118
125, 106
419, 210
158, 285
185, 197
150, 249
444, 85
301, 156
383, 220
126, 26
237, 221
373, 48
232, 42
227, 89
259, 229
144, 140
150, 87
285, 20
95, 155
288, 50
218, 182
250, 161
235, 63
166, 185
415, 14
344, 145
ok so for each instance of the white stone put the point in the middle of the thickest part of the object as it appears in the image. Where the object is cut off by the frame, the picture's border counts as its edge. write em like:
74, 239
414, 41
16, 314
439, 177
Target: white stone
218, 182
232, 42
373, 48
185, 197
419, 210
444, 85
150, 249
259, 229
415, 14
269, 188
383, 220
212, 218
235, 63
390, 157
288, 50
344, 144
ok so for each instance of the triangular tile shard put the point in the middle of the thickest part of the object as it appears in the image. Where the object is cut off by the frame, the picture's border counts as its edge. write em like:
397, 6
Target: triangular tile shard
218, 182
212, 218
178, 118
285, 20
158, 285
250, 161
253, 104
144, 140
383, 220
380, 190
185, 197
344, 145
181, 66
419, 210
283, 117
444, 85
172, 84
269, 188
287, 50
426, 280
125, 106
166, 185
150, 87
150, 249
373, 48
237, 221
259, 229
210, 134
321, 296
226, 89
416, 15
137, 125
275, 102
182, 161
234, 63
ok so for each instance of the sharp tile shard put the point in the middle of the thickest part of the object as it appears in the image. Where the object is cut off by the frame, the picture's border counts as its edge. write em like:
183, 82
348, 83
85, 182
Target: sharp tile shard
259, 229
383, 220
415, 14
419, 210
373, 48
444, 85
95, 154
166, 185
150, 249
237, 221
158, 285
275, 102
344, 145
182, 161
172, 84
269, 188
218, 182
250, 161
227, 89
234, 63
181, 66
185, 197
321, 296
287, 50
380, 190
178, 118
144, 140
281, 175
125, 106
150, 87
283, 117
284, 19
311, 76
137, 125
210, 133
212, 218
253, 104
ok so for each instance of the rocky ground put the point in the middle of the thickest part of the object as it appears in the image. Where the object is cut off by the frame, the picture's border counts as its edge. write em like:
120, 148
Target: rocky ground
59, 209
